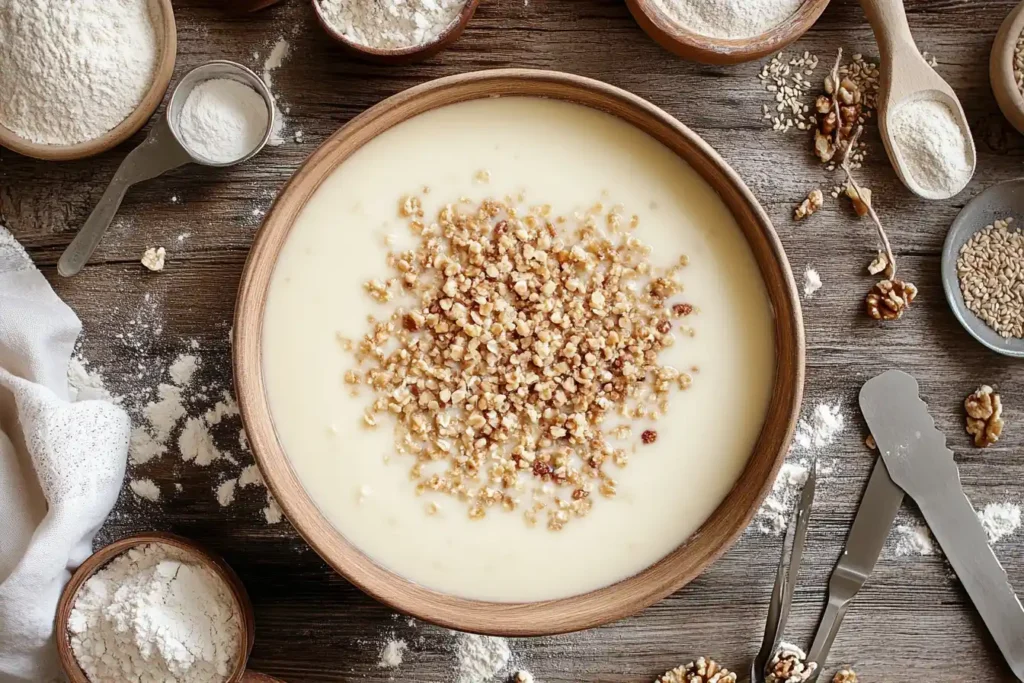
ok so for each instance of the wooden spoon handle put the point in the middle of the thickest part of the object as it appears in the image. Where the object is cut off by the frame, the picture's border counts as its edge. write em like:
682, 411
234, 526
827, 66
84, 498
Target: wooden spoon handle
889, 22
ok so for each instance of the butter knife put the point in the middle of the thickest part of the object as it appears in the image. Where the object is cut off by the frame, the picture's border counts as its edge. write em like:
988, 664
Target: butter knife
918, 461
871, 525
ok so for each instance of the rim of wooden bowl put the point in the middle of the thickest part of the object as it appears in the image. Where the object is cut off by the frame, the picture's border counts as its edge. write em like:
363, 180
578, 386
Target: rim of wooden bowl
402, 55
127, 128
699, 48
103, 556
597, 607
1000, 68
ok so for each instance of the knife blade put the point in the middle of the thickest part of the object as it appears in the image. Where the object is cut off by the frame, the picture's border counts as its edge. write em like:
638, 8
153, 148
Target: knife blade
875, 515
919, 462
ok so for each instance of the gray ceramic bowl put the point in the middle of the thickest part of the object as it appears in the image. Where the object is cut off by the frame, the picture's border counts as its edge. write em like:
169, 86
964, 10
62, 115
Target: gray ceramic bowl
999, 201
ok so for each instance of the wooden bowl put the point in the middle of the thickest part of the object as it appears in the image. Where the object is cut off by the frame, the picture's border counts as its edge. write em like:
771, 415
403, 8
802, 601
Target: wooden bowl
100, 558
699, 48
124, 130
1000, 68
553, 616
402, 55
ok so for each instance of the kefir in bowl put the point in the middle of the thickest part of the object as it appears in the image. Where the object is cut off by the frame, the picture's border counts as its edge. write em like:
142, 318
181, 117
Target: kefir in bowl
514, 351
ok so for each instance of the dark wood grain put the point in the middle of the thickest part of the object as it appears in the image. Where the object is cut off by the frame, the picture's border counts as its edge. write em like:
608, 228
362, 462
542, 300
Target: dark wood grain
911, 622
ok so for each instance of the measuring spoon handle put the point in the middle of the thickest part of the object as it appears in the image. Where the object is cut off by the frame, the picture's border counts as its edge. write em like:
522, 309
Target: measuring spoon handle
888, 20
158, 153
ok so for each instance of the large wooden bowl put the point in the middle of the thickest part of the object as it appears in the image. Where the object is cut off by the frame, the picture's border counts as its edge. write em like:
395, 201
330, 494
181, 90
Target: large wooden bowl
127, 128
699, 48
553, 616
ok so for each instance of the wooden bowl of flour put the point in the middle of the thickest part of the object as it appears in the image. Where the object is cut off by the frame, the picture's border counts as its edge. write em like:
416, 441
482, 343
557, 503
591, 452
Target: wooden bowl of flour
403, 55
133, 123
196, 554
701, 48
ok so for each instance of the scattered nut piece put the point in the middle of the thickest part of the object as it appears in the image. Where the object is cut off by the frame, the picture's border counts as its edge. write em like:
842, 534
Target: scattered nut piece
880, 264
861, 200
154, 258
789, 665
984, 416
889, 299
814, 201
871, 443
703, 670
845, 676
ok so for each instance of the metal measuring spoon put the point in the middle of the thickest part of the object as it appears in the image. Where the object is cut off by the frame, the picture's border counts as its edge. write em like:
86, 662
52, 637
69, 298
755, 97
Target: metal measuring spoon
162, 150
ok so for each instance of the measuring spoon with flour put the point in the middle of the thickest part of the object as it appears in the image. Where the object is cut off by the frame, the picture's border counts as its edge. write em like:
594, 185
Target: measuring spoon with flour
922, 123
189, 132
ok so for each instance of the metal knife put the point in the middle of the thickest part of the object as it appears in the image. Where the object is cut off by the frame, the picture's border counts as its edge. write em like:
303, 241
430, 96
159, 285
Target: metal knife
878, 508
918, 461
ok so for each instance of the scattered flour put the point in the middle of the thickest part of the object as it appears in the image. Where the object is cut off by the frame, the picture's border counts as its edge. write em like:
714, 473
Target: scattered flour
272, 512
85, 384
480, 658
71, 71
826, 424
226, 492
914, 539
728, 18
196, 443
1000, 520
392, 653
773, 517
932, 145
154, 258
151, 615
145, 489
812, 282
278, 54
391, 24
183, 368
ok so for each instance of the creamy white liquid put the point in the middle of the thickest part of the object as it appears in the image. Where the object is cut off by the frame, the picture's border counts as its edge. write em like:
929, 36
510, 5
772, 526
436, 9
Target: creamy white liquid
568, 156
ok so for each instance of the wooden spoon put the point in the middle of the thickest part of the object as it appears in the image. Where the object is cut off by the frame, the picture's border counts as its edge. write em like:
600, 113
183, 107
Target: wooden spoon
906, 76
1000, 68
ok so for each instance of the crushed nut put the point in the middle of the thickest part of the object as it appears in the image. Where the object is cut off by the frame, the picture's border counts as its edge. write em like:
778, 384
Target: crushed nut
889, 299
815, 199
871, 443
845, 676
512, 336
880, 264
703, 670
523, 676
861, 200
649, 436
984, 416
789, 665
843, 107
682, 310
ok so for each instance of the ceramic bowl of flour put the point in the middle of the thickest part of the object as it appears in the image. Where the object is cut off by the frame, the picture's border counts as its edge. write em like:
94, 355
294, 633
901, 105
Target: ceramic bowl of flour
361, 36
162, 16
205, 584
749, 31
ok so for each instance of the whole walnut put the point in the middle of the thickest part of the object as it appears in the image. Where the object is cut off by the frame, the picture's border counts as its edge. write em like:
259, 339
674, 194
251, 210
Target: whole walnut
984, 416
889, 299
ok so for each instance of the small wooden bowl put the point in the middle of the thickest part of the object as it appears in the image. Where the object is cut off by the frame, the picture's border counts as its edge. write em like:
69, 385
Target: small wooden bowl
699, 48
124, 130
402, 55
601, 606
99, 559
1000, 68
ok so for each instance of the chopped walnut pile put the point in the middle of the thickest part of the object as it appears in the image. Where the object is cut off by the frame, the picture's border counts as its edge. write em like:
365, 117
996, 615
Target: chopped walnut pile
889, 299
845, 676
984, 416
517, 346
814, 201
850, 93
703, 670
789, 665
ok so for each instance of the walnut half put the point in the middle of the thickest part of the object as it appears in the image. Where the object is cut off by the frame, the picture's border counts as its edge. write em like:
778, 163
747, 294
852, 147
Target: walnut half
984, 416
815, 200
889, 299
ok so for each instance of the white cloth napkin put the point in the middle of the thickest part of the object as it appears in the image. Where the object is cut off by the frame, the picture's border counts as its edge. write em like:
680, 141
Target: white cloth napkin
61, 465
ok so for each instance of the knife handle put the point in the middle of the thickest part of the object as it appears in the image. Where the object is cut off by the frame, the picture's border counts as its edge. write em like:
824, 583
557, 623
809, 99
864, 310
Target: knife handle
958, 530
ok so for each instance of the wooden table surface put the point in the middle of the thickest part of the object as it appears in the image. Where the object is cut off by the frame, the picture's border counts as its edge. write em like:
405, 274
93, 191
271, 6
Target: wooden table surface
911, 622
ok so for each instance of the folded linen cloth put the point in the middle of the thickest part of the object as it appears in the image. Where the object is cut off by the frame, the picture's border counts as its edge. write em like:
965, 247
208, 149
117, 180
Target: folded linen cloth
61, 465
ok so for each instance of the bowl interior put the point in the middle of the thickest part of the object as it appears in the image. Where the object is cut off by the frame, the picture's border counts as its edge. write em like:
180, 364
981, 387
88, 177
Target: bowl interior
131, 125
555, 616
690, 45
1003, 81
997, 202
103, 556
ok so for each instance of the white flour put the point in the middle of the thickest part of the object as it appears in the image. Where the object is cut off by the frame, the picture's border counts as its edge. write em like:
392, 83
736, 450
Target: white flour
391, 24
914, 539
71, 71
392, 653
728, 18
223, 120
812, 282
150, 615
182, 369
1000, 520
145, 489
813, 437
932, 144
85, 384
480, 658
